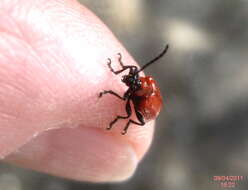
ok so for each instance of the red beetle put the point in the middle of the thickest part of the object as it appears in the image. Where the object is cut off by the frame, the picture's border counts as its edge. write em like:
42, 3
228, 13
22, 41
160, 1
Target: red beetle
142, 91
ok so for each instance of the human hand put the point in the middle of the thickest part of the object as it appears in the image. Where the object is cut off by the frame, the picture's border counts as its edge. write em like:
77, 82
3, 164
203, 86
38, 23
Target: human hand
53, 57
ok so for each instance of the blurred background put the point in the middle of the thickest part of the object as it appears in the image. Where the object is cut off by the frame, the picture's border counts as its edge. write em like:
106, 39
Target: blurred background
202, 131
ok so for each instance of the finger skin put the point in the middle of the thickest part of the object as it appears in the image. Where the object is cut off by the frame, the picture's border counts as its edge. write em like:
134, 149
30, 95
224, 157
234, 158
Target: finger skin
80, 153
52, 68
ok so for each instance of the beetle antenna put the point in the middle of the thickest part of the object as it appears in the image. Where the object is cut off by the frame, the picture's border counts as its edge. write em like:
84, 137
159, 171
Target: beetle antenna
155, 59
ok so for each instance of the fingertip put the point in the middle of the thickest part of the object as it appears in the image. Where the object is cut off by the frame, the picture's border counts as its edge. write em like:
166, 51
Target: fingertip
71, 72
84, 154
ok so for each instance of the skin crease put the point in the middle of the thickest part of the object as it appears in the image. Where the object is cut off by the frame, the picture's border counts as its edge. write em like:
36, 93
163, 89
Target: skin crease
53, 64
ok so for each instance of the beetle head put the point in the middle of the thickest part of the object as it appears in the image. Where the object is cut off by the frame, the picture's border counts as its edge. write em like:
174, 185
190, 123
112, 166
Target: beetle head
128, 79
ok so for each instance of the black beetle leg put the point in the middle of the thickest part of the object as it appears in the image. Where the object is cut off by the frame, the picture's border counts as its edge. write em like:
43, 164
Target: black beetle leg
139, 117
123, 67
111, 92
129, 113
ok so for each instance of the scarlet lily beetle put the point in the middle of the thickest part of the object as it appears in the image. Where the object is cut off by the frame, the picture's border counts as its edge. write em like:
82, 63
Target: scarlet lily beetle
142, 91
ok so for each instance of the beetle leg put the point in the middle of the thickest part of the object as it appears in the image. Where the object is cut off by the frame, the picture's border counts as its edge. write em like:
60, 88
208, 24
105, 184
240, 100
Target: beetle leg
111, 92
123, 69
129, 113
109, 65
131, 67
139, 117
120, 61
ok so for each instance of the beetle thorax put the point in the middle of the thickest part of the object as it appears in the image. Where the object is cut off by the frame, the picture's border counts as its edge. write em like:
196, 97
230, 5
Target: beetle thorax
132, 81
